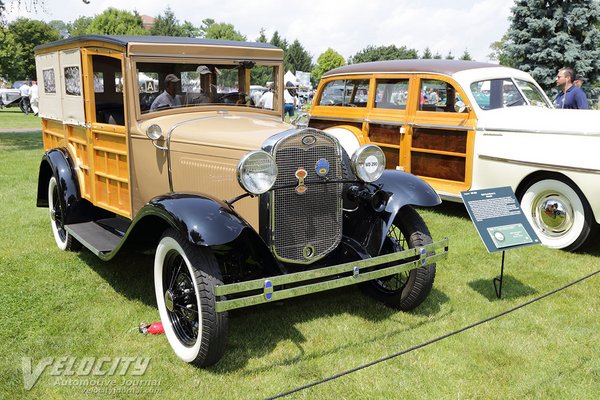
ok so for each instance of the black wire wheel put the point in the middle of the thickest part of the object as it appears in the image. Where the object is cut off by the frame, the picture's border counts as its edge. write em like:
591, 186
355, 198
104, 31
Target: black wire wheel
406, 290
63, 239
184, 280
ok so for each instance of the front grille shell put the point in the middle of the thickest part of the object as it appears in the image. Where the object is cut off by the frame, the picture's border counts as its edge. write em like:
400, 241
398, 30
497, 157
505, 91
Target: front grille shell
306, 227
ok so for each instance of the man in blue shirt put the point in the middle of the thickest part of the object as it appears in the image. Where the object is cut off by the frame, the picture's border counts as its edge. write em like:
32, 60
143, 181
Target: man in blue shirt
570, 96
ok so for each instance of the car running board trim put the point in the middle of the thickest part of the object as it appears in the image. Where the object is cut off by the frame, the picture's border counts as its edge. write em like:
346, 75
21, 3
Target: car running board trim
97, 239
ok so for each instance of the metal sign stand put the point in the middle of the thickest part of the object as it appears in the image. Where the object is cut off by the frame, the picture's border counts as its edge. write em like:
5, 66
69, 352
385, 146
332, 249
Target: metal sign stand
498, 281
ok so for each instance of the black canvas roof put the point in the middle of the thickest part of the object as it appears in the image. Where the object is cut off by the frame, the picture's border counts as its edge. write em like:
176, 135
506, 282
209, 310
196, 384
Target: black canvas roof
125, 40
446, 67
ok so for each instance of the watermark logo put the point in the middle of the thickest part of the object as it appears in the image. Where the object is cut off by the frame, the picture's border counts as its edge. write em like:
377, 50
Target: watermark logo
70, 369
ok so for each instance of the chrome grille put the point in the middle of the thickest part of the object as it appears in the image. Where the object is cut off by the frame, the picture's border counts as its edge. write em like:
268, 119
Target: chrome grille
307, 226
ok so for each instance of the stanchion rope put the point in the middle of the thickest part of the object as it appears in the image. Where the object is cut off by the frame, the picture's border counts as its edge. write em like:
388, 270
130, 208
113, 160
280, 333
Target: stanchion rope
347, 372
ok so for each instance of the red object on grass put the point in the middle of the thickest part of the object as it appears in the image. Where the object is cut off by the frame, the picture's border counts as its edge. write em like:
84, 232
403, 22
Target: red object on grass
155, 328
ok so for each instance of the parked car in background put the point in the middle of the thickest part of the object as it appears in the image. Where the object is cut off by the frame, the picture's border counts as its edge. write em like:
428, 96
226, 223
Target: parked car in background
464, 125
240, 207
10, 98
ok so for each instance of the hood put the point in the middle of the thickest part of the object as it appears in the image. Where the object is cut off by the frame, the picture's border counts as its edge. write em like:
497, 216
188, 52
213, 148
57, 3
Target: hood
538, 119
225, 130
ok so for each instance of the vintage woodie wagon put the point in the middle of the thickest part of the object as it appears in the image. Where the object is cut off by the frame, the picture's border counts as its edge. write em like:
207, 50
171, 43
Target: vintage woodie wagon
466, 125
155, 143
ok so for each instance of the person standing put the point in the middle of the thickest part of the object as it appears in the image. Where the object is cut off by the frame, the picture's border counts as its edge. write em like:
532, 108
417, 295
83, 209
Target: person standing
24, 89
579, 81
266, 101
569, 96
34, 98
289, 99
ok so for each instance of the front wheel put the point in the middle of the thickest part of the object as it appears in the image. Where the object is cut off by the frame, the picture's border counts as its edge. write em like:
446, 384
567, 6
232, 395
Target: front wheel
184, 280
404, 291
64, 240
558, 212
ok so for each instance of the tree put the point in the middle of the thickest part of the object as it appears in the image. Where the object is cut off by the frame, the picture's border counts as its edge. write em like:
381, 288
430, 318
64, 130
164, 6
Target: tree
449, 56
61, 27
327, 61
437, 56
466, 56
380, 53
17, 60
262, 38
219, 30
297, 57
117, 22
80, 26
545, 36
427, 54
166, 25
499, 53
276, 40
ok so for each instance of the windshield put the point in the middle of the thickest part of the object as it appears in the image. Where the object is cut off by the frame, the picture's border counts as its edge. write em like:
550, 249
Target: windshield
164, 85
498, 93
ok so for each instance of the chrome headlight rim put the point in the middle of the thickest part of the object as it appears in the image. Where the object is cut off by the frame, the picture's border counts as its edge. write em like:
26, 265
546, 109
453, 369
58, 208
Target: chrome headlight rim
154, 132
368, 154
242, 175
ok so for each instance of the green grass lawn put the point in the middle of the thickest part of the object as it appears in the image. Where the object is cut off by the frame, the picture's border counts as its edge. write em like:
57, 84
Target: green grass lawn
65, 304
14, 118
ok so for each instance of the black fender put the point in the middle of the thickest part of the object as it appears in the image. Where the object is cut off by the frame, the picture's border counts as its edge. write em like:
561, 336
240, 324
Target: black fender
203, 221
406, 189
403, 189
58, 162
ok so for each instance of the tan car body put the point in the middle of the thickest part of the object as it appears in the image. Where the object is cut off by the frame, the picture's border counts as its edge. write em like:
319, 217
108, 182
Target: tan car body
119, 168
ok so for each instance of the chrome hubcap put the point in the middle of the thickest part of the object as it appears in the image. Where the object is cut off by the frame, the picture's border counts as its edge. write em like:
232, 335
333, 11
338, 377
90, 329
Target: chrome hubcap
553, 214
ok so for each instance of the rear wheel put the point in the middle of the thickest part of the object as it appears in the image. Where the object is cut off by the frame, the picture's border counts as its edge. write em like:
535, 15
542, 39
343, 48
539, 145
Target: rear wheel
558, 212
406, 290
184, 279
64, 240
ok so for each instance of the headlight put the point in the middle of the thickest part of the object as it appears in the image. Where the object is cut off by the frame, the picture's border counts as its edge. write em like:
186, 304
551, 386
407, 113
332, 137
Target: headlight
368, 163
256, 172
154, 132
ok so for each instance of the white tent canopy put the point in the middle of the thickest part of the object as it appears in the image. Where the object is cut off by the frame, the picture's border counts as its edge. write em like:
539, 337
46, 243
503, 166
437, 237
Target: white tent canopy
289, 77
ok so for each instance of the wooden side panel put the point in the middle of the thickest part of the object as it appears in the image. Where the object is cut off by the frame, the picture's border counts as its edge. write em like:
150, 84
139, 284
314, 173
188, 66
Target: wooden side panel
53, 134
78, 145
443, 140
438, 166
111, 175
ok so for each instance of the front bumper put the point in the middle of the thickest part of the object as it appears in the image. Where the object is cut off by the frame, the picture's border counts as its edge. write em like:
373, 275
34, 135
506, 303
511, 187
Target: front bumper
265, 290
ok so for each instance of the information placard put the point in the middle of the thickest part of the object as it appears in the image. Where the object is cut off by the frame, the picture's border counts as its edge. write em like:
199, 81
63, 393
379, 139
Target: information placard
499, 219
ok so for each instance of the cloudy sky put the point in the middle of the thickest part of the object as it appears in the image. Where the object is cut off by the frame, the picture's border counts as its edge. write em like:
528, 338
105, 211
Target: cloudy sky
346, 26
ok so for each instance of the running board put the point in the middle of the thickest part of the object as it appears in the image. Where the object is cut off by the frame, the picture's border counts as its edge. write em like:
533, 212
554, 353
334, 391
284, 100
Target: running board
98, 239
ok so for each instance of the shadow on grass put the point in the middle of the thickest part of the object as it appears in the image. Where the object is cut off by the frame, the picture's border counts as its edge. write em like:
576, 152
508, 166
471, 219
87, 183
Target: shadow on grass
256, 331
511, 288
21, 140
450, 209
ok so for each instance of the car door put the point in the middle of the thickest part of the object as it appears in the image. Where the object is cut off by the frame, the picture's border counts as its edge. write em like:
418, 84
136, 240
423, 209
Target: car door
389, 118
441, 134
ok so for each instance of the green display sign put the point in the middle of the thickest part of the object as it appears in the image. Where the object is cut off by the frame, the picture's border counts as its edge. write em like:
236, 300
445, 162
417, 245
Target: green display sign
499, 220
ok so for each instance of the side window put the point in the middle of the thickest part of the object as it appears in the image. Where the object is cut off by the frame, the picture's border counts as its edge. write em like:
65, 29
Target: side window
498, 93
440, 96
345, 93
391, 93
108, 90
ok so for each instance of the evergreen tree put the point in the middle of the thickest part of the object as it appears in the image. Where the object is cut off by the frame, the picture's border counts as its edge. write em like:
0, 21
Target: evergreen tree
546, 35
380, 53
427, 54
166, 25
262, 38
466, 56
327, 61
449, 56
297, 58
276, 40
437, 56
